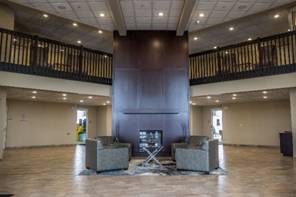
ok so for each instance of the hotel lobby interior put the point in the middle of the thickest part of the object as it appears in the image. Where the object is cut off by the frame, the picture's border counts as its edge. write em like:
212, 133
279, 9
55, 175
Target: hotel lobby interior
148, 98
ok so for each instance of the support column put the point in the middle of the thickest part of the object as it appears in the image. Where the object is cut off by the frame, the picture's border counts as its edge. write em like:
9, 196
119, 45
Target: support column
3, 121
292, 19
293, 118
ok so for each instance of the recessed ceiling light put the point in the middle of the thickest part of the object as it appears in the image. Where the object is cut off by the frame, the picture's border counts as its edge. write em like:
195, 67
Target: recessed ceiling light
193, 103
190, 102
160, 14
234, 98
215, 47
198, 21
100, 31
90, 97
104, 103
108, 102
81, 101
265, 97
45, 15
64, 98
201, 15
209, 97
195, 38
14, 40
249, 39
264, 92
226, 52
33, 97
64, 94
105, 56
75, 24
231, 28
102, 14
79, 41
234, 95
289, 29
276, 16
217, 101
34, 92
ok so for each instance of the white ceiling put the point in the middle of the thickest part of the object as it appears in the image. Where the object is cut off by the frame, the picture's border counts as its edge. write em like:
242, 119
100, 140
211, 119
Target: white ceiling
50, 96
241, 97
143, 15
220, 11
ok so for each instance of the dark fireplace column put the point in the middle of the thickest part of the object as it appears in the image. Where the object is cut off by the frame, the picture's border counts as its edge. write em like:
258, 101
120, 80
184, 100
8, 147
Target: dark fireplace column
150, 86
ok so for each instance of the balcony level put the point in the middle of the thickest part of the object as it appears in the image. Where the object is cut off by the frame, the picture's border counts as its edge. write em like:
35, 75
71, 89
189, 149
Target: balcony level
28, 54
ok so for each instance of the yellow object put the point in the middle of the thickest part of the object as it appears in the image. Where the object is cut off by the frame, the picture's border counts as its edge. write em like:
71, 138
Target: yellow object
79, 130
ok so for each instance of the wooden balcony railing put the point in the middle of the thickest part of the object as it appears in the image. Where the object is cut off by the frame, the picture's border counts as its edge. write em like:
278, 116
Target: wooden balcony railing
263, 56
29, 54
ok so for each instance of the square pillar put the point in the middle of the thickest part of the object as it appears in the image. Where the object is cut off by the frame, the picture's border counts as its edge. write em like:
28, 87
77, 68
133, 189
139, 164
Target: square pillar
3, 121
293, 118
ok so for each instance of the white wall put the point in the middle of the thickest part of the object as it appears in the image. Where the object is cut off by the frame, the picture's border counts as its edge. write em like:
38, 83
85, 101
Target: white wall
43, 123
293, 117
252, 123
3, 121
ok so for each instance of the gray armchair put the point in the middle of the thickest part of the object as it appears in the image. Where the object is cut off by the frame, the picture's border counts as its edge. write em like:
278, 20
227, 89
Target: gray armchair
198, 158
192, 141
105, 157
109, 140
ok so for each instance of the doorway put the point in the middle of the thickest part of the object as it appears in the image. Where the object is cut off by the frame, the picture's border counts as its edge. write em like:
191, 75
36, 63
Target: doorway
81, 125
217, 124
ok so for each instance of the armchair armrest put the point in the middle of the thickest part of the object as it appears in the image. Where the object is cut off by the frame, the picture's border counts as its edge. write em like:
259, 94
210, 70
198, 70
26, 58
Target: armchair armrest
177, 145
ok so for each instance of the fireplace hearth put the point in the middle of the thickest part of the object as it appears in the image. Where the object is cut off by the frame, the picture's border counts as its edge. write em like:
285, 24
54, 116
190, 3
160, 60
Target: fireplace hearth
150, 139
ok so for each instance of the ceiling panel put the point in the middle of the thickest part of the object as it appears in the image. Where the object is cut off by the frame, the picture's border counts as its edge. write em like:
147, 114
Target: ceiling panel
228, 10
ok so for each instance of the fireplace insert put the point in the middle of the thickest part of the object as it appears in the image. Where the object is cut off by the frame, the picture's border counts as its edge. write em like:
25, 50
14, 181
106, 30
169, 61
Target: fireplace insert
150, 139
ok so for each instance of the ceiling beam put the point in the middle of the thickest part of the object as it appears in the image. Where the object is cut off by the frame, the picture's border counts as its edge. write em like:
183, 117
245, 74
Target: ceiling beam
117, 16
185, 16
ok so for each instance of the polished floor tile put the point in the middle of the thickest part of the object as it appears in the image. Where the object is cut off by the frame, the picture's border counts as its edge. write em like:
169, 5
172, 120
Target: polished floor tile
49, 172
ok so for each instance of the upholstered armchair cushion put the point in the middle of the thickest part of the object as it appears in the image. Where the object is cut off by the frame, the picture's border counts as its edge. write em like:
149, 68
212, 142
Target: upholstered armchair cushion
198, 158
193, 141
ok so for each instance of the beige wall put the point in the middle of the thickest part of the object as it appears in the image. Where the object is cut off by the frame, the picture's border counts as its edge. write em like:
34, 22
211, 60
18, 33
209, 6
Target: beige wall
6, 17
3, 121
293, 117
104, 121
43, 123
252, 123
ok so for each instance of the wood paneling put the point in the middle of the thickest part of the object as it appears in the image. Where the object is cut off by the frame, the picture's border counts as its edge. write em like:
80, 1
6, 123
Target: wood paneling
150, 86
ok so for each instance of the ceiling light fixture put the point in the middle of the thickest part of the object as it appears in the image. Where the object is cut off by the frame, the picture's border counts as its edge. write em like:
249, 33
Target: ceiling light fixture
64, 98
231, 28
34, 92
90, 97
233, 98
75, 24
249, 39
14, 40
265, 97
209, 97
201, 15
102, 14
81, 101
217, 101
105, 56
234, 95
276, 16
45, 15
215, 47
193, 103
108, 102
64, 95
160, 14
264, 92
289, 30
100, 31
33, 97
79, 41
104, 103
195, 38
190, 102
198, 21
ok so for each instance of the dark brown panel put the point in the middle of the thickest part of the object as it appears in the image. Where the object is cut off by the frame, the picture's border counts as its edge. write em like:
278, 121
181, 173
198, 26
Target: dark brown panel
150, 86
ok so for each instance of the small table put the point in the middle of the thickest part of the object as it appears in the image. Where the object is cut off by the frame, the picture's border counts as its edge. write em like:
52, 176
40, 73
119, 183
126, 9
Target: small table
152, 156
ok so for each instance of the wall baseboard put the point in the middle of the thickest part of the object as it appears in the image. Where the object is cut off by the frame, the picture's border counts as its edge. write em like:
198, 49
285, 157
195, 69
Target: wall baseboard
251, 145
40, 146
